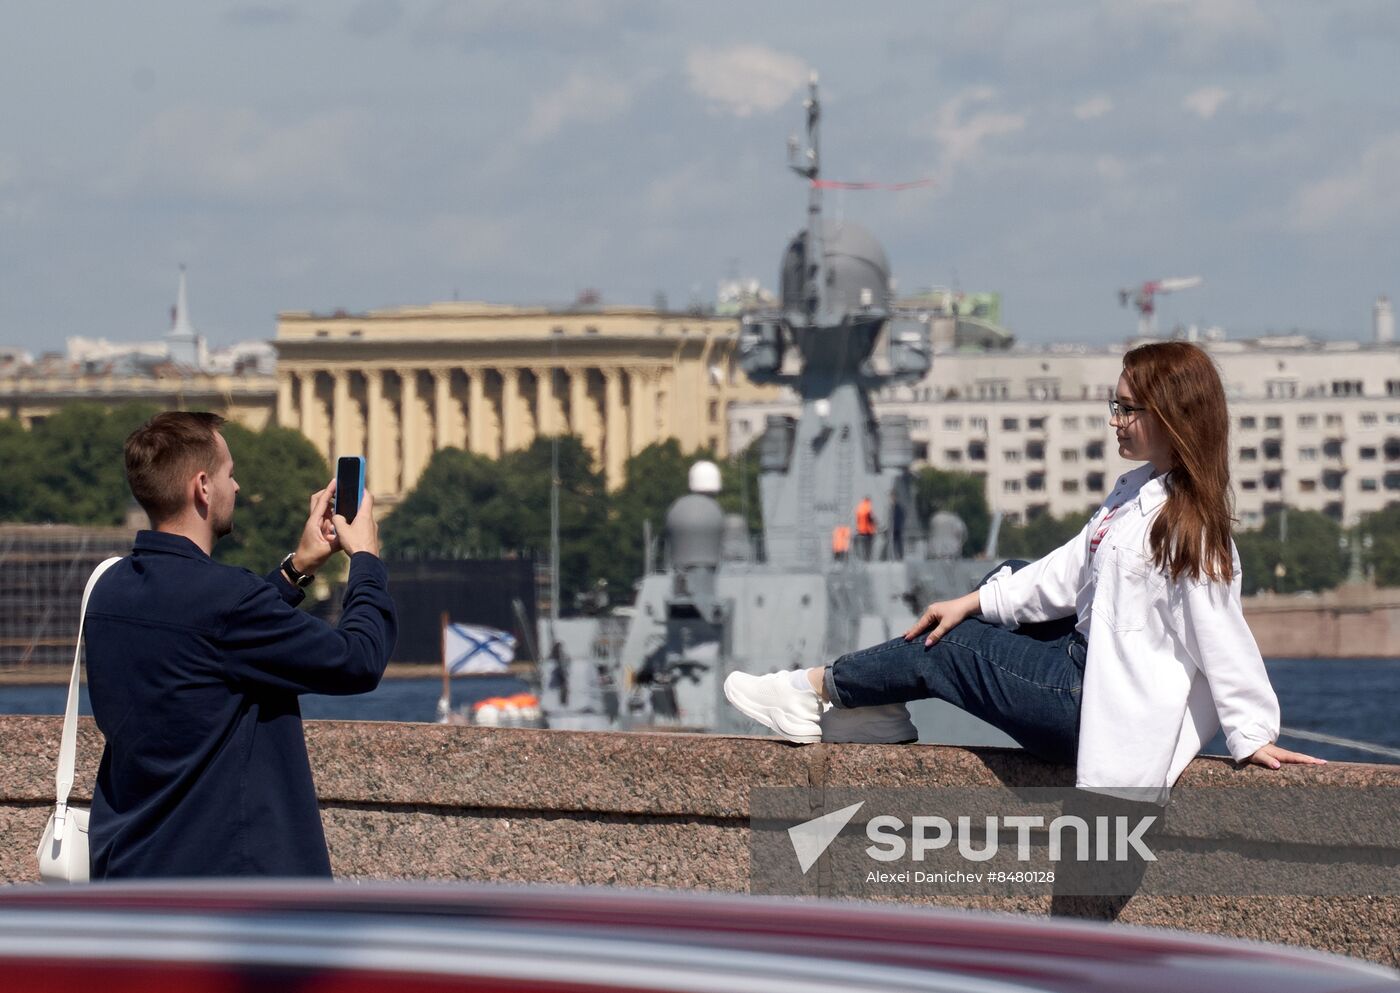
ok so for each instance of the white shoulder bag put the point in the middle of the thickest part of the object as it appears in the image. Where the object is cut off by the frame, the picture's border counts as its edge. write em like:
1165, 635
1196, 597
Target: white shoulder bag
63, 850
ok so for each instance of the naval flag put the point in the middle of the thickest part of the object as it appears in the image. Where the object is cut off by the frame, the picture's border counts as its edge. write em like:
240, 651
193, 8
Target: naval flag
471, 648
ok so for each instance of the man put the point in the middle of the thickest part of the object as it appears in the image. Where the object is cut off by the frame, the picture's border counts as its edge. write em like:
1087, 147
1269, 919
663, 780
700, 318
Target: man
194, 669
865, 527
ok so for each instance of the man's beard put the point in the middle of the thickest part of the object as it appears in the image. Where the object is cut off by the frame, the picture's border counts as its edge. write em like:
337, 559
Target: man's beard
223, 527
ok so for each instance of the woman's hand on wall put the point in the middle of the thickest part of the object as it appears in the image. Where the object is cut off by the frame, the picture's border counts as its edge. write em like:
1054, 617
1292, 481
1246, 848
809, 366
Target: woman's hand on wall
1274, 757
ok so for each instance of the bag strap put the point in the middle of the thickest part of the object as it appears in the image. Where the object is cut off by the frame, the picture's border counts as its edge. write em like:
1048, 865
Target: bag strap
68, 746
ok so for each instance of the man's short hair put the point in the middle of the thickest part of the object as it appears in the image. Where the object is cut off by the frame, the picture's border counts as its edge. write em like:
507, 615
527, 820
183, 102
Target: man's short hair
162, 455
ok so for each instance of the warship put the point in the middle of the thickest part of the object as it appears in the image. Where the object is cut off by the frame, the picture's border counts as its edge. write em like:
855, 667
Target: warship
801, 592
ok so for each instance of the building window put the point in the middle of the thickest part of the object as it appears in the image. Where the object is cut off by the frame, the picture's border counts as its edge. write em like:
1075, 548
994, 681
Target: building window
1369, 420
1332, 448
1346, 387
1011, 424
1094, 482
1043, 389
1069, 455
1011, 486
714, 411
1035, 482
1307, 420
1095, 423
1308, 453
1370, 486
1273, 481
1248, 423
1367, 454
1249, 485
920, 451
1392, 387
952, 424
1392, 481
976, 451
1035, 450
1273, 424
1069, 423
1334, 510
1070, 486
1307, 485
1392, 449
1035, 424
1094, 450
1273, 448
1281, 389
1011, 455
952, 455
1332, 480
1333, 420
1249, 454
977, 423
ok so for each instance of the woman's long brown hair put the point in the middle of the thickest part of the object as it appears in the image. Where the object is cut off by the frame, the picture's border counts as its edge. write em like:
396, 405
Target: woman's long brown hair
1179, 385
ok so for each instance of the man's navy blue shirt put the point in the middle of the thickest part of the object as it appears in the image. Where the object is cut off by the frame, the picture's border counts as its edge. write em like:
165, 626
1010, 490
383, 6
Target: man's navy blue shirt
194, 669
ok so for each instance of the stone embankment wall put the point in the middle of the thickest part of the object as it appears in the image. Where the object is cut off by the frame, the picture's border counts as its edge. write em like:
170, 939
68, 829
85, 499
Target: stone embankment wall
413, 801
1348, 622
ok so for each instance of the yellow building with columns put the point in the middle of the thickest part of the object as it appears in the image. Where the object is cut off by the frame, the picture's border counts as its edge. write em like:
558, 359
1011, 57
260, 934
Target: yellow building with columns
396, 385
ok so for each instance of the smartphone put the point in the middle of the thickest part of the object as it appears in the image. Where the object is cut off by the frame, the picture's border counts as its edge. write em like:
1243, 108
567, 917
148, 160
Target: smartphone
349, 485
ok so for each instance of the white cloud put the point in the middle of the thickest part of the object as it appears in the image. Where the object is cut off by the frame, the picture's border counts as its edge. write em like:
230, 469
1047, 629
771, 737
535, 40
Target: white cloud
1205, 102
1363, 194
961, 131
1110, 168
1198, 28
1094, 107
744, 79
580, 98
237, 153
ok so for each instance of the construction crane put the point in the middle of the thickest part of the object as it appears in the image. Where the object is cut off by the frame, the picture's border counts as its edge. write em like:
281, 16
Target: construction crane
1144, 298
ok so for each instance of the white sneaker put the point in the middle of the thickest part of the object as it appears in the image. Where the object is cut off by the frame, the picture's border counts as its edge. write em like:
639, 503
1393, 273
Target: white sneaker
775, 703
888, 724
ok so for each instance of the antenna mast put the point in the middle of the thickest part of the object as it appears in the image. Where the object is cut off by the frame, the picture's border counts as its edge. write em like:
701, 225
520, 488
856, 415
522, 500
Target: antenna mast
806, 162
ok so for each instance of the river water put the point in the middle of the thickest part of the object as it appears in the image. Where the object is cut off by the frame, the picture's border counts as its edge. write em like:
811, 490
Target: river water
1357, 699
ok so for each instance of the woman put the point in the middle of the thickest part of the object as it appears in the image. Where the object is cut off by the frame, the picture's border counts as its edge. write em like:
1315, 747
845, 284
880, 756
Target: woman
1132, 647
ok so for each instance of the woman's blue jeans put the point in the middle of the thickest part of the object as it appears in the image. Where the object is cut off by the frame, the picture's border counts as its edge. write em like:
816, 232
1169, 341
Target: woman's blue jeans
1025, 682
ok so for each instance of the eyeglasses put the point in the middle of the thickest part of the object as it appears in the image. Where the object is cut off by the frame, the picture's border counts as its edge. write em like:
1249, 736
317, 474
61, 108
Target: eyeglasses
1122, 411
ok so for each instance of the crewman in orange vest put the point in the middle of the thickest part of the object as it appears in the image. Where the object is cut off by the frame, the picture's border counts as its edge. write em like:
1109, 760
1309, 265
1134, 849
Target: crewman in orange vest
840, 542
865, 527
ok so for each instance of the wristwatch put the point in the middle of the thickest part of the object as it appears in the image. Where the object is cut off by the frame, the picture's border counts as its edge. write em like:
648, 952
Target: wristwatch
301, 580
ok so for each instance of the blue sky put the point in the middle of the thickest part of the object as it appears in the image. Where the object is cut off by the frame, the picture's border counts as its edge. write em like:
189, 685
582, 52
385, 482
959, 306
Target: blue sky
386, 152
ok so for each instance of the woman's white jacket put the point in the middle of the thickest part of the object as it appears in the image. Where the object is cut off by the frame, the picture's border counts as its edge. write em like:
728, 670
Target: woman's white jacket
1169, 662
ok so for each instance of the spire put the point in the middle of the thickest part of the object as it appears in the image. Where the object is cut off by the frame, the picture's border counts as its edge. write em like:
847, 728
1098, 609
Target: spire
180, 325
183, 343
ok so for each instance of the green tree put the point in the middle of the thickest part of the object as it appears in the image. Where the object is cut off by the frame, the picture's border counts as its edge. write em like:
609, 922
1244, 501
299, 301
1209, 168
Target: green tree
1311, 556
1383, 527
1039, 537
961, 493
277, 471
444, 514
656, 477
741, 493
467, 505
522, 511
79, 473
18, 457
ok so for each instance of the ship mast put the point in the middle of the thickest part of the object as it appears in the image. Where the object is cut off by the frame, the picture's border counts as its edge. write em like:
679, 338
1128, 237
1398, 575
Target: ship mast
808, 165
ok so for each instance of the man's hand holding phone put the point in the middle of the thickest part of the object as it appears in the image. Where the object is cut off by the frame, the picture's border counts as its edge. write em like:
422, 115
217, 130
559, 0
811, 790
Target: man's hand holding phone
318, 541
361, 534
